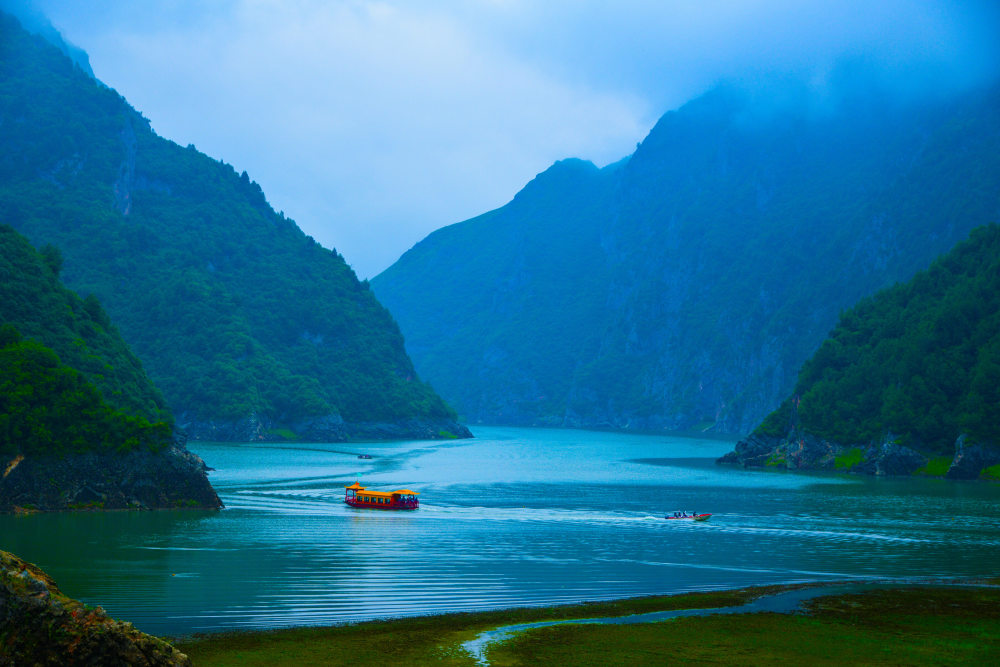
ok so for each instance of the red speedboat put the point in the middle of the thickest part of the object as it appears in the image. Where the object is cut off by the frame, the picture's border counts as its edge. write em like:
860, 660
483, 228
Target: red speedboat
401, 499
690, 516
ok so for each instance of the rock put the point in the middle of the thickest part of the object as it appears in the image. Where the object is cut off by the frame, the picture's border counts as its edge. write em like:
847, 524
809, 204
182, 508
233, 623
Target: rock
754, 452
39, 625
890, 458
971, 460
794, 452
174, 477
807, 452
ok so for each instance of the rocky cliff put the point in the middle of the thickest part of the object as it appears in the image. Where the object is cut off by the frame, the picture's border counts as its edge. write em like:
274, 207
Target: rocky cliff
39, 625
171, 478
684, 287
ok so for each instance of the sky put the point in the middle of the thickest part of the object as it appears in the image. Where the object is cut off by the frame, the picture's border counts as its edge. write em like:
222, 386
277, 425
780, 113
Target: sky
373, 123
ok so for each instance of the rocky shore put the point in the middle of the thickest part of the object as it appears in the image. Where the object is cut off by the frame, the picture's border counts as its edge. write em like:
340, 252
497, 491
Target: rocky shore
330, 428
39, 625
172, 478
803, 451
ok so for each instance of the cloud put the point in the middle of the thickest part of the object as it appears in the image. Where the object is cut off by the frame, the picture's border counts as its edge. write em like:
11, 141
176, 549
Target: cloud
371, 123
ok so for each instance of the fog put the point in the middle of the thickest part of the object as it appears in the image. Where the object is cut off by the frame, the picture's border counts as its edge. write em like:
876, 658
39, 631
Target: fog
373, 123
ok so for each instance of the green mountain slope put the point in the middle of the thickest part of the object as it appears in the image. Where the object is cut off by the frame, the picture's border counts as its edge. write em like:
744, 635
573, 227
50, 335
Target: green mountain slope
81, 426
917, 365
34, 302
684, 287
247, 325
68, 382
49, 409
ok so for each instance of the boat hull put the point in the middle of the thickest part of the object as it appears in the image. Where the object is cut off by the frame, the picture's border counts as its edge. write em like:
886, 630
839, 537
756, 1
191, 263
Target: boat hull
379, 506
696, 517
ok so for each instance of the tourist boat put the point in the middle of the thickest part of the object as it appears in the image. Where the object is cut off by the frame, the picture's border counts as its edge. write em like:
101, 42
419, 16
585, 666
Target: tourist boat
690, 516
360, 497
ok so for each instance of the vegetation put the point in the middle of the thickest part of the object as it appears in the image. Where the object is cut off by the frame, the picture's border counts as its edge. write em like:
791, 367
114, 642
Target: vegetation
920, 360
416, 641
936, 467
931, 626
34, 302
48, 407
850, 458
910, 627
234, 311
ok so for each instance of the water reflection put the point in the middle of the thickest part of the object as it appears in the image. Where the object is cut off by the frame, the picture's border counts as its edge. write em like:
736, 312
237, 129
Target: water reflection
516, 517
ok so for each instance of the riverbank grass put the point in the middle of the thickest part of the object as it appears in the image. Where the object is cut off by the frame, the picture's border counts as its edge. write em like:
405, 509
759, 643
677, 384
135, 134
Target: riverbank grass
920, 626
420, 640
933, 626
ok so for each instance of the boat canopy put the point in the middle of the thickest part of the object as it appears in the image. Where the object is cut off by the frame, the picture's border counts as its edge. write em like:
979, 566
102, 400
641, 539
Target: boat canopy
362, 491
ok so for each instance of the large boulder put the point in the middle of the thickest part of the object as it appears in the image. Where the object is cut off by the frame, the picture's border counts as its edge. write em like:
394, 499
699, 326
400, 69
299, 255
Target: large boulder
971, 459
39, 625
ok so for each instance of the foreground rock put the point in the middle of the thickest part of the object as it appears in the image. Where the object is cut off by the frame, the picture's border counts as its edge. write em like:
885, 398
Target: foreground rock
39, 625
172, 478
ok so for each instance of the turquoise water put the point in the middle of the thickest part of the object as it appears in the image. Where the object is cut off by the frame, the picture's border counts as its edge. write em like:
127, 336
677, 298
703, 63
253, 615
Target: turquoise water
515, 517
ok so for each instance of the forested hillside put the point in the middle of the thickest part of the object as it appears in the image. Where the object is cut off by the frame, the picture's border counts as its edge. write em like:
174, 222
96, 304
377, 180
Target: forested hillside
247, 325
81, 426
68, 382
34, 302
683, 287
919, 360
916, 365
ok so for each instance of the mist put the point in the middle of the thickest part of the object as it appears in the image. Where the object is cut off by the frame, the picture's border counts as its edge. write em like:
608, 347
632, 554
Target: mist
373, 123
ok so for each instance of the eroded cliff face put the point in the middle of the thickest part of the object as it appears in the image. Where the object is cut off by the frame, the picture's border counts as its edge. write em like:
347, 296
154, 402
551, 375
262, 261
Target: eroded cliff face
39, 625
173, 478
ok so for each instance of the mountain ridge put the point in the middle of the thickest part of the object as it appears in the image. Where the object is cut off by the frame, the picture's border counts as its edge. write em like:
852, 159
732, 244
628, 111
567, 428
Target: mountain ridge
249, 327
706, 267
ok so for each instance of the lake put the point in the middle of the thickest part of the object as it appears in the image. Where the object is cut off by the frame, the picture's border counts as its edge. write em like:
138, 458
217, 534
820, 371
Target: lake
515, 517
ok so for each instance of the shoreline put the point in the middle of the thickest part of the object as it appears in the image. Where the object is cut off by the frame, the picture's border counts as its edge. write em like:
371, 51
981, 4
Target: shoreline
446, 638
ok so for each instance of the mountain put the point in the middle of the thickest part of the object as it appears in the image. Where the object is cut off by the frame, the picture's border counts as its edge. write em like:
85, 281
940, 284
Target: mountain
907, 377
81, 426
684, 286
100, 376
250, 328
35, 21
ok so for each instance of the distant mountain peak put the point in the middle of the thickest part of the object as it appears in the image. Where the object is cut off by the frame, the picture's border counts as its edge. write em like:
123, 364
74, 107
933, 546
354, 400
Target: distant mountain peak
34, 20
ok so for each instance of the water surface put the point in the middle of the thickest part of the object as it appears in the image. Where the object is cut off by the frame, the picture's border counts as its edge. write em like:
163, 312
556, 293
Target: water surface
515, 517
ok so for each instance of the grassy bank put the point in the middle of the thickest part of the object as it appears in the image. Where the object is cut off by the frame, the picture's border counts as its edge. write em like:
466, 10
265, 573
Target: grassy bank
914, 626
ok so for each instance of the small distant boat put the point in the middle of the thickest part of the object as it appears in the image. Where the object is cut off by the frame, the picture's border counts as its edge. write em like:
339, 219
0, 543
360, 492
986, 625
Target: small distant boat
690, 516
364, 456
401, 499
